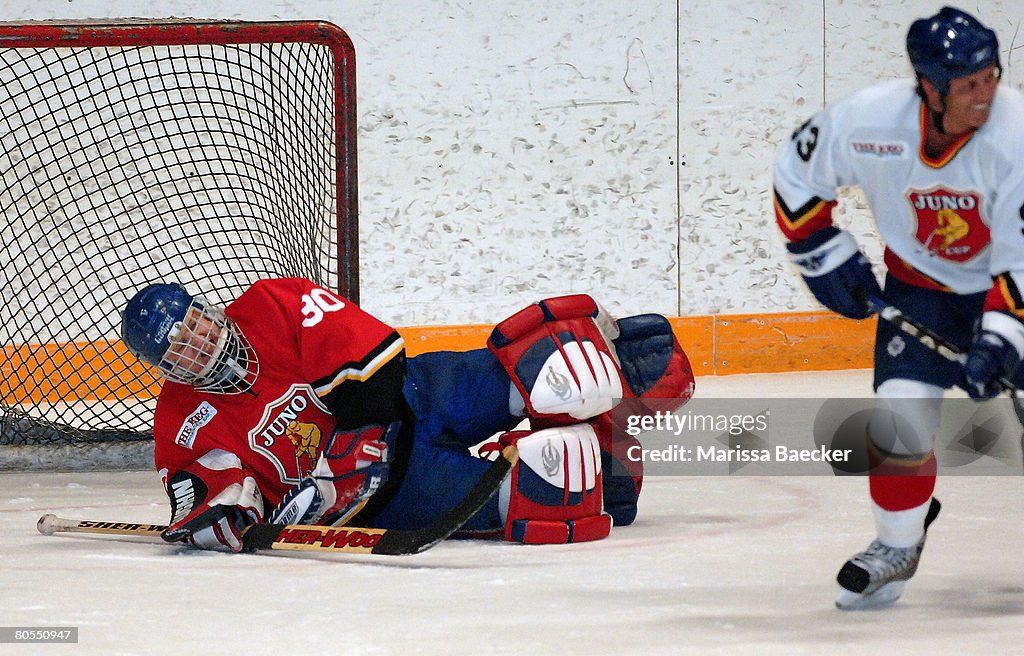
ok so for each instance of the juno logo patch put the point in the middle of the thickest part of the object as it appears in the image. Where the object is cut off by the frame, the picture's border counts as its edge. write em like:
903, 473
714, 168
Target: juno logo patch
291, 432
949, 222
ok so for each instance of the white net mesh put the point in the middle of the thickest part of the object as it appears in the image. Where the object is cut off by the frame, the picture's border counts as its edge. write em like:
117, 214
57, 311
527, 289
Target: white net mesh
208, 165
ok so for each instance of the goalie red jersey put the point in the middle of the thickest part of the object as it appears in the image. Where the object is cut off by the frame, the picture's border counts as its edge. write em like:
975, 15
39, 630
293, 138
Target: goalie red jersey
323, 364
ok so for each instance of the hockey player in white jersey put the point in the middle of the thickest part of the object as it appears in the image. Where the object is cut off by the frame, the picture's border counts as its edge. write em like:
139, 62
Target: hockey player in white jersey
941, 161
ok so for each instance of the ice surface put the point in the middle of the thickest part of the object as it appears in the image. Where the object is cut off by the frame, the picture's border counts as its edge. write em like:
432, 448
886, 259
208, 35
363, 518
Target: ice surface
733, 565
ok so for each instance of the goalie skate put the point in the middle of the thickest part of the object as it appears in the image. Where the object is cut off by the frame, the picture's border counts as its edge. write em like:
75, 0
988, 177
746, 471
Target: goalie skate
876, 576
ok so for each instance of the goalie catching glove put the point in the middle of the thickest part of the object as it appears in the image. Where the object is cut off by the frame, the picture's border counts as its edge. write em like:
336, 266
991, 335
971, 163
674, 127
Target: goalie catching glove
353, 466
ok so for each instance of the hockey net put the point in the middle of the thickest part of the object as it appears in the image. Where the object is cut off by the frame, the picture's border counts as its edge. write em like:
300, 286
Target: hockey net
211, 154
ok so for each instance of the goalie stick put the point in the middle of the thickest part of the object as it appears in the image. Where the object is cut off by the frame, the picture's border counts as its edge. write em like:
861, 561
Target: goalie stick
378, 541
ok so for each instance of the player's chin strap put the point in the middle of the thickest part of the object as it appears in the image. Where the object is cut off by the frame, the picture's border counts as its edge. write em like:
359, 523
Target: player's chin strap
938, 118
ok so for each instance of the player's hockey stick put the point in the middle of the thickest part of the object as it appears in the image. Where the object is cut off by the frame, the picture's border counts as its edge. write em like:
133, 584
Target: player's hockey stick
927, 337
388, 542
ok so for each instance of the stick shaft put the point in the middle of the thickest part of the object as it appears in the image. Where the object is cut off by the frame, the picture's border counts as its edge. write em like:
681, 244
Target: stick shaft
290, 538
928, 337
50, 524
391, 542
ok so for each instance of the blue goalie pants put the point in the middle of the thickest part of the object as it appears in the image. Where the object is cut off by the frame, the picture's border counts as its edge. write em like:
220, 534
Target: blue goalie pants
459, 400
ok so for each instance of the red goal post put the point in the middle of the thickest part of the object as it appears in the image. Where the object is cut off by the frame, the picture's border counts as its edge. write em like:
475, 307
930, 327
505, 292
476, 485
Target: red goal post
211, 153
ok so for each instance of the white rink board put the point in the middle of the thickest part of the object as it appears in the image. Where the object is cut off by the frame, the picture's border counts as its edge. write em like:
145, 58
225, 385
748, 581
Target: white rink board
736, 565
511, 153
738, 97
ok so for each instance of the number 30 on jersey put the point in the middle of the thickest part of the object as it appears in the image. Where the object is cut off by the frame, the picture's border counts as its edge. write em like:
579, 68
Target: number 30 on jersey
316, 304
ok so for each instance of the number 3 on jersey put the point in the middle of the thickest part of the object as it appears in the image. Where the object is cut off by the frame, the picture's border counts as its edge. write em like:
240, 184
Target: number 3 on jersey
806, 140
317, 303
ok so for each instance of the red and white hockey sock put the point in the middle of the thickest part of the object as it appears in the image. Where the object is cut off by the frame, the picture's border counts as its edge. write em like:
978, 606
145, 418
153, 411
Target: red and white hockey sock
901, 491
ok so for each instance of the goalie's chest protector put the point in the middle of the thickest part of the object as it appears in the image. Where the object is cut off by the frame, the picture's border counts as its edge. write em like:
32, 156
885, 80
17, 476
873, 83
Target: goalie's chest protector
278, 429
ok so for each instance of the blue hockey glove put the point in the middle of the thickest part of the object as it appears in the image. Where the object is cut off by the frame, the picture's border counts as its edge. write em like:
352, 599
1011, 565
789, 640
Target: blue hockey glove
991, 356
836, 272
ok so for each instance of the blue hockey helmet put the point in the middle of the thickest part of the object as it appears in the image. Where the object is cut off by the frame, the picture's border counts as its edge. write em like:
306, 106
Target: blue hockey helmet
950, 44
148, 318
188, 340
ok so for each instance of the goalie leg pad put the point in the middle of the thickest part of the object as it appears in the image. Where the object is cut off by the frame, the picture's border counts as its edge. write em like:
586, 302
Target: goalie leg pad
652, 361
554, 493
559, 360
621, 477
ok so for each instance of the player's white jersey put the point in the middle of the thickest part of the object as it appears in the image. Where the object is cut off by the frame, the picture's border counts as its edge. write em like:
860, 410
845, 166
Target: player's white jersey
953, 221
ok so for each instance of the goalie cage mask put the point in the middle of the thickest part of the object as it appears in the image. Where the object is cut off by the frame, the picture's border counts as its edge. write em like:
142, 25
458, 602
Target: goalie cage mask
188, 340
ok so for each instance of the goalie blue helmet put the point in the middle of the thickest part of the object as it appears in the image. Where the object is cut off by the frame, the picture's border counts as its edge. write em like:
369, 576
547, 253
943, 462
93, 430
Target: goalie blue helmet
950, 44
188, 340
147, 320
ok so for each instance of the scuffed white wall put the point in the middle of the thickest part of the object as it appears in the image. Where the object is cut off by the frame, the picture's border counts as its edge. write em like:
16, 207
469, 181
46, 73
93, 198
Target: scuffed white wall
509, 151
750, 72
746, 71
517, 150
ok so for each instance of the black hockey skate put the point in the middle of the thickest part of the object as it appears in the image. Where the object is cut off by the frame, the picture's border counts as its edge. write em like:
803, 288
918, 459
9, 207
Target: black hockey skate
876, 576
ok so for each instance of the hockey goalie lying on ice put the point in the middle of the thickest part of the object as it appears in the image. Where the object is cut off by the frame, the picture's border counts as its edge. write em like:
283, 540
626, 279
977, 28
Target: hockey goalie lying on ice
294, 406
